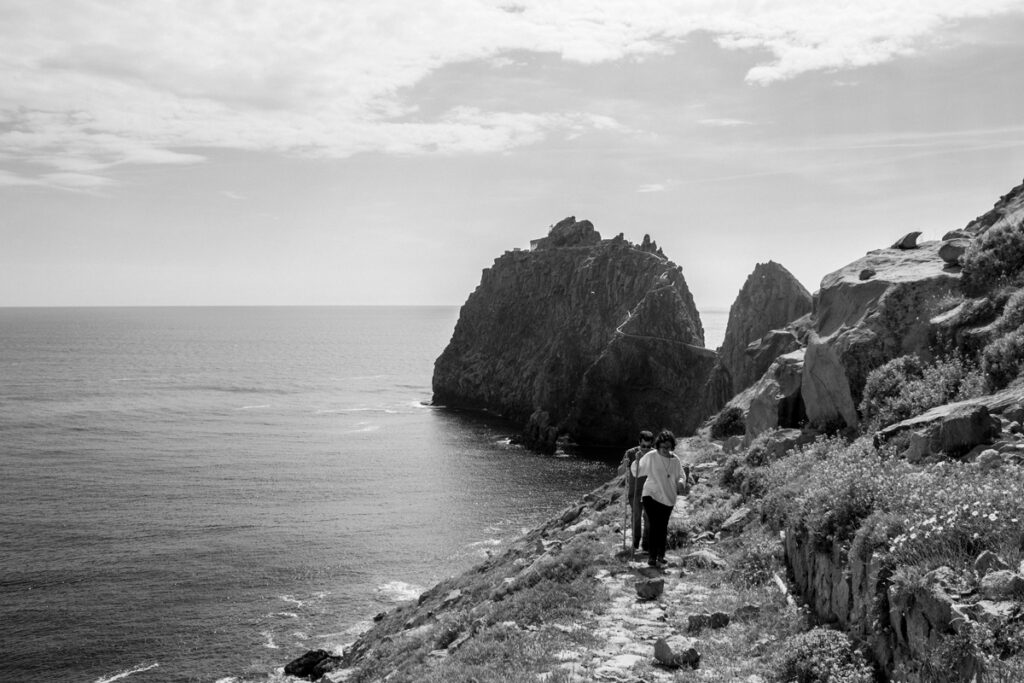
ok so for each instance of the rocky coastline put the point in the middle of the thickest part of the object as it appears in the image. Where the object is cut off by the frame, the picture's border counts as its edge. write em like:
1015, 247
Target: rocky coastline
812, 425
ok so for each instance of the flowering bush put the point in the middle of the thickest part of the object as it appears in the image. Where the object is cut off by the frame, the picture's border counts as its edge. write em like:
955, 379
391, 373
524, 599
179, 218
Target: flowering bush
905, 387
995, 257
953, 511
822, 655
1003, 359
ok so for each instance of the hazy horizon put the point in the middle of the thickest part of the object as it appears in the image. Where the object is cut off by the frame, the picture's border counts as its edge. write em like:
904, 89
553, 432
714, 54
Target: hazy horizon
377, 153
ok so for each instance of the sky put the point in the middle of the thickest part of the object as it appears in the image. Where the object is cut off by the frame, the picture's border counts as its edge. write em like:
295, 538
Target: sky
362, 152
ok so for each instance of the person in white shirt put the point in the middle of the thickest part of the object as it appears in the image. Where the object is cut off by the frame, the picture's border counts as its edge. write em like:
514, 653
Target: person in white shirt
663, 470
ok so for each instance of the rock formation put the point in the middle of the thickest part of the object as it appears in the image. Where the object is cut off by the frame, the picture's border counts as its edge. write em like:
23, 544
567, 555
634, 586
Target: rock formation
869, 322
581, 336
769, 299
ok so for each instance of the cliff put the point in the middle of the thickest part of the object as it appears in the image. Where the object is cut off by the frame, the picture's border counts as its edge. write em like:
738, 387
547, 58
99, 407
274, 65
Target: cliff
595, 339
770, 299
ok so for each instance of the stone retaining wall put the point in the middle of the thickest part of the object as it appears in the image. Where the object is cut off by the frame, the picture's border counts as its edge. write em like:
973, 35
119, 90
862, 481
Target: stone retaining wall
899, 627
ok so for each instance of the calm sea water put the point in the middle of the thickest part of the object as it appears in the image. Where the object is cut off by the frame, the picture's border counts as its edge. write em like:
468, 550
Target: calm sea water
202, 494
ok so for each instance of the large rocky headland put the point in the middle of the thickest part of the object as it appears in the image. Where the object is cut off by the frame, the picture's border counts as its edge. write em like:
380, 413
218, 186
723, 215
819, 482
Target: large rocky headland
860, 456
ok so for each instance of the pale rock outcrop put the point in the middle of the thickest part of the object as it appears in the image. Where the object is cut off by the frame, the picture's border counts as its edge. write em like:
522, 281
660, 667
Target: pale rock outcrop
952, 250
952, 429
869, 322
824, 387
908, 241
770, 298
591, 339
1008, 210
774, 400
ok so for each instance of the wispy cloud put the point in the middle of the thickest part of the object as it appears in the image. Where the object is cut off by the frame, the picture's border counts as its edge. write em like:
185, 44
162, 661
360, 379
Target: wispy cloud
724, 123
89, 85
653, 187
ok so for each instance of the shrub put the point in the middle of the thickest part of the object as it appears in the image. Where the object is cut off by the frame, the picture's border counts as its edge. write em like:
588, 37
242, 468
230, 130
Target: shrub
995, 257
1012, 316
728, 423
906, 386
824, 656
1003, 359
760, 556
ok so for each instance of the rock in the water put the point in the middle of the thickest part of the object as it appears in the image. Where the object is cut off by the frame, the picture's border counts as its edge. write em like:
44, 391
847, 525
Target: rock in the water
650, 589
824, 387
594, 339
908, 241
770, 298
312, 665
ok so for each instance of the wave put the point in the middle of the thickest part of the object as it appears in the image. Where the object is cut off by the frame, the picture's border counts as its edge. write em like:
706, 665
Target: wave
399, 591
362, 430
125, 674
263, 405
344, 411
289, 615
270, 644
294, 601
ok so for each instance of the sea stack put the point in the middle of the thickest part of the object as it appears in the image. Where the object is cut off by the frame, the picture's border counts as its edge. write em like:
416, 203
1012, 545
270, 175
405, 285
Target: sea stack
581, 336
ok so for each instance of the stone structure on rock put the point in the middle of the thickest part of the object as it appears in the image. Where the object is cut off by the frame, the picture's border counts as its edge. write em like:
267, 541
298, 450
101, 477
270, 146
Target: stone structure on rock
595, 339
770, 299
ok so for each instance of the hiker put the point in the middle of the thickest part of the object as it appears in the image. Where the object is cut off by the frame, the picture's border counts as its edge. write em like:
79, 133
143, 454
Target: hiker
664, 471
634, 485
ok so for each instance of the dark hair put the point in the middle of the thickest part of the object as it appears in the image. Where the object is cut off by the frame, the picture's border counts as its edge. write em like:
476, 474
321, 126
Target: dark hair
665, 436
646, 435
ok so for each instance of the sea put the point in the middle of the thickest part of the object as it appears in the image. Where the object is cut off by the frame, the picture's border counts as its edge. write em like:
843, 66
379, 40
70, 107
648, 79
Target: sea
203, 494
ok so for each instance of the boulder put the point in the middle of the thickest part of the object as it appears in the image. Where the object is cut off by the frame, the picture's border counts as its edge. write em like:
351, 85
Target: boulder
770, 298
312, 665
908, 241
590, 339
737, 521
665, 656
1009, 210
952, 250
869, 322
775, 399
824, 387
650, 589
953, 429
704, 559
988, 561
1002, 584
774, 343
867, 274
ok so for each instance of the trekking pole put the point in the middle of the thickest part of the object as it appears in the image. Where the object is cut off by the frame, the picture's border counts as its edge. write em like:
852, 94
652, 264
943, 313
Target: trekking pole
625, 521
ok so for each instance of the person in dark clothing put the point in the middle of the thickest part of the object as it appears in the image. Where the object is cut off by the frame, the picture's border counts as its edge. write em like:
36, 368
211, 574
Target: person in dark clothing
634, 485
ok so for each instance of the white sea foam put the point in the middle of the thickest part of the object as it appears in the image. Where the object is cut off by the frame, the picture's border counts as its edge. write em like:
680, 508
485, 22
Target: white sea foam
488, 541
294, 601
399, 591
362, 430
290, 615
264, 405
125, 674
270, 644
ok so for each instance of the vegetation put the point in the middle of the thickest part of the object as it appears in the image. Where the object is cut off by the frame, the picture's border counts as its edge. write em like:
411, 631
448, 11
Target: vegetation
996, 258
728, 423
906, 386
823, 655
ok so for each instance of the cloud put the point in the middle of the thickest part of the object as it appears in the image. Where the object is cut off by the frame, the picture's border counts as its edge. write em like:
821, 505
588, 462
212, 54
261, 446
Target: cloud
91, 85
724, 123
653, 187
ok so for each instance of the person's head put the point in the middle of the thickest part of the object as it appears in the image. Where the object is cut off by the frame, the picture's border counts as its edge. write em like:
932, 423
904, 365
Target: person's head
646, 438
665, 438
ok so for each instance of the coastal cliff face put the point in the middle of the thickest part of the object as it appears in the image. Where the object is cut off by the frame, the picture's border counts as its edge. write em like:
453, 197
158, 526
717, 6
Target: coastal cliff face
581, 336
770, 298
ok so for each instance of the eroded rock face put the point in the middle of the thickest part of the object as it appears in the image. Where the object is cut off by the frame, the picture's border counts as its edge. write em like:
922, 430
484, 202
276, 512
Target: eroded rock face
770, 298
596, 340
775, 399
824, 387
869, 322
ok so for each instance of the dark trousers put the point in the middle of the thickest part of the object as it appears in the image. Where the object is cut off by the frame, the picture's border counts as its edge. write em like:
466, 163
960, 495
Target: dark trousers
657, 531
639, 522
